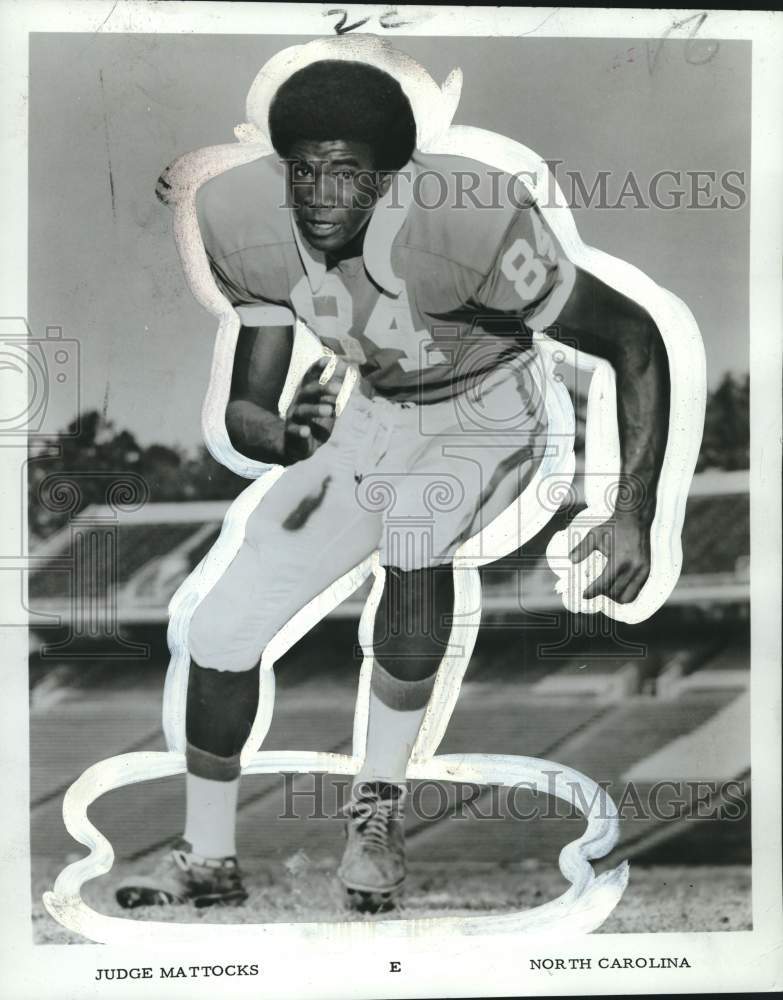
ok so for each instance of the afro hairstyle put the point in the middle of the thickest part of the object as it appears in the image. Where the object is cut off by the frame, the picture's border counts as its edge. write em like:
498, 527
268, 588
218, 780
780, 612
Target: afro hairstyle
352, 101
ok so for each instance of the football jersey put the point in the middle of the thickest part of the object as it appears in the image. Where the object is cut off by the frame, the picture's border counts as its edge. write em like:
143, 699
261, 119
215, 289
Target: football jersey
458, 268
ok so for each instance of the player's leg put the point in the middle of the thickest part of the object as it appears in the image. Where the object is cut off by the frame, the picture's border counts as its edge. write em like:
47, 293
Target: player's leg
304, 534
466, 475
410, 636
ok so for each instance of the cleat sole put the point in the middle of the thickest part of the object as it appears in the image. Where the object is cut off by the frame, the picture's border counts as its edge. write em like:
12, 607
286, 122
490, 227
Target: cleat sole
363, 901
133, 897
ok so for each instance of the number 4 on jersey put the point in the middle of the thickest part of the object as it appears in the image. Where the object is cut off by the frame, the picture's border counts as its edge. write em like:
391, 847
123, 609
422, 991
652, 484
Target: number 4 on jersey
391, 327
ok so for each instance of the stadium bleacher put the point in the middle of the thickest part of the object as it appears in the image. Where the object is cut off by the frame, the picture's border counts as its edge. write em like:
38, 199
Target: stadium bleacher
158, 544
610, 702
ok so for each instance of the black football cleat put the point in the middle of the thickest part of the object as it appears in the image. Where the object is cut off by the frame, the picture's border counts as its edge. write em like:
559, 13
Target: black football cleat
184, 877
373, 865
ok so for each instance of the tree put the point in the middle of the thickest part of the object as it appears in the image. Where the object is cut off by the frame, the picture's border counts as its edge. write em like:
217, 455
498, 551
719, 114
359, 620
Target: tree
92, 451
726, 441
94, 445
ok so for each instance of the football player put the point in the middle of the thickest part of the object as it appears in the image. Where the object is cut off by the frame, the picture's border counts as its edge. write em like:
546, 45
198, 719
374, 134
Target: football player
427, 299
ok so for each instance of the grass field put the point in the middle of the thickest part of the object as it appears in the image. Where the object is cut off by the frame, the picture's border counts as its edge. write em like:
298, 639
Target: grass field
660, 898
688, 876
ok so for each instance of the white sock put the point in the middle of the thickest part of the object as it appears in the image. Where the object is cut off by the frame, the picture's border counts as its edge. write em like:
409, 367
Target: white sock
392, 732
211, 816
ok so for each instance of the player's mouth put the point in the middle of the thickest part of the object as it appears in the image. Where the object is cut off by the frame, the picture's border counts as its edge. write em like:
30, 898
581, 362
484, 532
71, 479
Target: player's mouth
320, 228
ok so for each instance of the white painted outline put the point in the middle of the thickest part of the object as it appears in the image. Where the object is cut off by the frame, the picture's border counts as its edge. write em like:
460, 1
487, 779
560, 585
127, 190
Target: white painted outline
582, 908
589, 900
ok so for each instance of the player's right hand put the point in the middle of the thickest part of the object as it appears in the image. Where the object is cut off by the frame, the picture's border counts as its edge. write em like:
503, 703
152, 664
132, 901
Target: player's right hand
309, 420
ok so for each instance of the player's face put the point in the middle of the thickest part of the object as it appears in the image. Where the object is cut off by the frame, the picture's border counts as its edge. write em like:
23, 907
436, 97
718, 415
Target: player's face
334, 188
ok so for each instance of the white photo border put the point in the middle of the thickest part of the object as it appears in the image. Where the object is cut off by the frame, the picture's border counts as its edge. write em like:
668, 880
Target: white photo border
435, 964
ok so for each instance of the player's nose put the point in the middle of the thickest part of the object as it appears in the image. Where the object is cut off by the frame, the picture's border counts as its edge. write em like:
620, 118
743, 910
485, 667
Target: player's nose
324, 191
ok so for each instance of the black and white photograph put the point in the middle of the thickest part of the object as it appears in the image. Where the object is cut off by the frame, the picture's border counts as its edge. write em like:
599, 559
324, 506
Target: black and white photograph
391, 489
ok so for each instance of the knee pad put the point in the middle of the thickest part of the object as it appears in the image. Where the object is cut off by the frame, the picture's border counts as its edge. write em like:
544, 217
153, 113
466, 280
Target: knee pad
221, 707
400, 693
413, 621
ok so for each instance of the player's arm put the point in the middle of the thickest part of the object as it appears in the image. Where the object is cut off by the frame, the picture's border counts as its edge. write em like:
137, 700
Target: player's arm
601, 321
253, 422
262, 355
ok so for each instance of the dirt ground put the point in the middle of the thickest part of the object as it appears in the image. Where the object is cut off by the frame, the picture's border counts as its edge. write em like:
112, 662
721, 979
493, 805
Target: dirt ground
660, 898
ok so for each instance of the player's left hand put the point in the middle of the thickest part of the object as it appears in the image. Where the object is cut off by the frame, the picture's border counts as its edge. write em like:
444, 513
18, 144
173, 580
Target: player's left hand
625, 541
310, 418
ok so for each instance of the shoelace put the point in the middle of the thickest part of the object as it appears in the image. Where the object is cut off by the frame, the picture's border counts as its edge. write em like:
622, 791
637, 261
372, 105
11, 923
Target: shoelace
373, 817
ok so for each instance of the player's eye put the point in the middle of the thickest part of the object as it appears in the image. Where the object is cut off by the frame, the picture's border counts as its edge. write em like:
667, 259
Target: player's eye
302, 170
345, 174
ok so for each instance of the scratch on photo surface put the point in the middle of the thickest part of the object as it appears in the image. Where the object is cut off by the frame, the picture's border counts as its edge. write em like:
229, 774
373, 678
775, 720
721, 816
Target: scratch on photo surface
108, 148
105, 406
103, 22
541, 24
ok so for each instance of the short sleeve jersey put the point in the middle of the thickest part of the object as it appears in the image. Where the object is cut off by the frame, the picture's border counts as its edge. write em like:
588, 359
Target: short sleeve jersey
459, 267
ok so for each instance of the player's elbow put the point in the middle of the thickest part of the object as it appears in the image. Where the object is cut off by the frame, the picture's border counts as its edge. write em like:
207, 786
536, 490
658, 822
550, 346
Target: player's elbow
237, 425
254, 431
